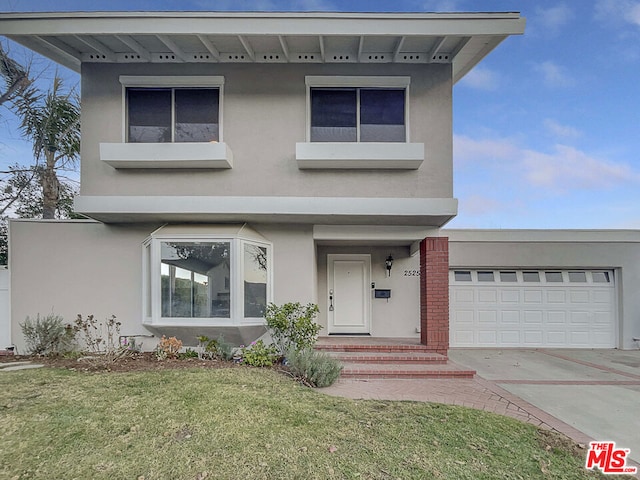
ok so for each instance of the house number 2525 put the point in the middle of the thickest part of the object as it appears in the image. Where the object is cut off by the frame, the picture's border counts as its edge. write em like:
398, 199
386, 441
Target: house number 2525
412, 273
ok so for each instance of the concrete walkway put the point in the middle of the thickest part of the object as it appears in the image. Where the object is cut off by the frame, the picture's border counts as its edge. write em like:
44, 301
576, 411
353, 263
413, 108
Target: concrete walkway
585, 394
13, 366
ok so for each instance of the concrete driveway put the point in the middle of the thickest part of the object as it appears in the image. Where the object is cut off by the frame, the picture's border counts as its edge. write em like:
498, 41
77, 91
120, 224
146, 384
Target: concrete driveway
595, 391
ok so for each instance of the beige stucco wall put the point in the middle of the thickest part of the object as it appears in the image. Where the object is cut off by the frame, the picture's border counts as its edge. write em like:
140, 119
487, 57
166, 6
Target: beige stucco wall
618, 250
71, 267
264, 116
76, 267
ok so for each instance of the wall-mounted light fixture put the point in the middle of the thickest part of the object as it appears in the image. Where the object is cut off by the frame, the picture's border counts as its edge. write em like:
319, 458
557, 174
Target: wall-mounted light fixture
388, 263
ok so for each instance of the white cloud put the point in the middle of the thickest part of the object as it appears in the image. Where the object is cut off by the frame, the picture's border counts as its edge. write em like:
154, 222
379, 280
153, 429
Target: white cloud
612, 11
480, 205
481, 78
568, 168
562, 131
564, 168
554, 75
555, 17
440, 5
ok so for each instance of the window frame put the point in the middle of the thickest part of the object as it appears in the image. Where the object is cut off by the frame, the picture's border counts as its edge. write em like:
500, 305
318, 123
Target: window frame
172, 82
358, 83
151, 264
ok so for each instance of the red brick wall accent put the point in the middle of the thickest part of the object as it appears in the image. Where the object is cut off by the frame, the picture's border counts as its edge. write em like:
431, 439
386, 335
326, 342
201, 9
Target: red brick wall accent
434, 293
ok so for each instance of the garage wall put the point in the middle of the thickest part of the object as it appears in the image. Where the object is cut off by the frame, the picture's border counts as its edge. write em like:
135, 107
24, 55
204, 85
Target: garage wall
617, 250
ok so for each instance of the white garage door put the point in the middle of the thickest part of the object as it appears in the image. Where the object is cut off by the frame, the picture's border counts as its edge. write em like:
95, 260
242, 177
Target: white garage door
532, 308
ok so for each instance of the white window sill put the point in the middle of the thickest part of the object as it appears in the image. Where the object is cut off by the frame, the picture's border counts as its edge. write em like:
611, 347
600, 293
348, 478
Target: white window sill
319, 155
167, 155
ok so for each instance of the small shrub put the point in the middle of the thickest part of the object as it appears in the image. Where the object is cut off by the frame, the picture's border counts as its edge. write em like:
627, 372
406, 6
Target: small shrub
131, 344
168, 348
188, 353
224, 349
260, 355
209, 349
292, 325
313, 368
101, 339
47, 335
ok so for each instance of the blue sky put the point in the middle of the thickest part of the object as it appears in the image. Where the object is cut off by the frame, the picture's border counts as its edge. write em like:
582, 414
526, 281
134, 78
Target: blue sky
546, 128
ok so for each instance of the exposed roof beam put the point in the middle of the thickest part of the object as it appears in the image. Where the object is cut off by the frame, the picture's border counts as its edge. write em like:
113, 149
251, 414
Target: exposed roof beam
321, 40
57, 46
171, 45
97, 46
461, 44
135, 46
439, 42
209, 46
247, 47
396, 51
285, 47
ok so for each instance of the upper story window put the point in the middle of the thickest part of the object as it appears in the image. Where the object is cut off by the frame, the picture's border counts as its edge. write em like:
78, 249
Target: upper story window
160, 115
358, 115
172, 109
357, 109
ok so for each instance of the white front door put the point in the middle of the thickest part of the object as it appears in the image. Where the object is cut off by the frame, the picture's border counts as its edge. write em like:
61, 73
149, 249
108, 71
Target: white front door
349, 299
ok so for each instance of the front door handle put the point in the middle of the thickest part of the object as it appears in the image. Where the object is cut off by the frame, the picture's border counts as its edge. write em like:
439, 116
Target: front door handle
331, 300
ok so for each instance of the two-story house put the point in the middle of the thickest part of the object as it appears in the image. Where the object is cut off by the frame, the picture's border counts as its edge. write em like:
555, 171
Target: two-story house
230, 160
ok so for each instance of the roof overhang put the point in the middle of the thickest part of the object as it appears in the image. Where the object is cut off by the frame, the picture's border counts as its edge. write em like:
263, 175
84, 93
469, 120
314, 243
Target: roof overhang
461, 39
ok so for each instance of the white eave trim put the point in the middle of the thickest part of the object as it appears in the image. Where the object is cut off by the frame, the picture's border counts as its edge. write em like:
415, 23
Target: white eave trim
322, 210
543, 236
365, 155
208, 155
171, 81
338, 81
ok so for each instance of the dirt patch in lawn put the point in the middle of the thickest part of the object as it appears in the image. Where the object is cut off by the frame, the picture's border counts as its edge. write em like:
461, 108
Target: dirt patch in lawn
133, 363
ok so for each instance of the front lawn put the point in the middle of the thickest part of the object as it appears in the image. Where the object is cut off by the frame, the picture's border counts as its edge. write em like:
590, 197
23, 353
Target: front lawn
249, 423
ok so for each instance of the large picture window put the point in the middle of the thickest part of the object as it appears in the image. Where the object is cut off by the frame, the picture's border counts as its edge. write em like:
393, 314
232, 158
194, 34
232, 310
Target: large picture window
195, 279
206, 279
358, 115
161, 115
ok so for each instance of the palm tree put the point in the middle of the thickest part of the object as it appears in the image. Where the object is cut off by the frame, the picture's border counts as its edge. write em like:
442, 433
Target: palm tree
51, 121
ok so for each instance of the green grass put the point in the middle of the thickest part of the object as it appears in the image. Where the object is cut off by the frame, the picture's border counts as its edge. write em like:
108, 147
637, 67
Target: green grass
250, 423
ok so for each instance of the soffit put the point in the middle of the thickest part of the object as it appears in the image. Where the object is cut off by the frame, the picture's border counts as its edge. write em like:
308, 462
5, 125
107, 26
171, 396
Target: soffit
461, 39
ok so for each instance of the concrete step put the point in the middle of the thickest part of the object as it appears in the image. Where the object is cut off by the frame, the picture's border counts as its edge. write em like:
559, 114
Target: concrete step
405, 371
411, 357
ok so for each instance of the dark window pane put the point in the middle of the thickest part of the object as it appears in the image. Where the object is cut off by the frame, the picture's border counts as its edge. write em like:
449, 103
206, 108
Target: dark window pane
508, 277
600, 277
462, 276
149, 112
531, 276
485, 277
553, 277
382, 115
381, 107
255, 281
333, 108
578, 277
196, 114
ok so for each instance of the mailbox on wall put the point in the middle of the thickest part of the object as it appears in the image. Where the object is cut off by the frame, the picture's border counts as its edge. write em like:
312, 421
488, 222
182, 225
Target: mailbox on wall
379, 293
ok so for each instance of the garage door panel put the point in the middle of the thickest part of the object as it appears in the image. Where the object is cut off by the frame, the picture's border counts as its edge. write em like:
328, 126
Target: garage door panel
488, 316
510, 296
463, 295
579, 318
533, 337
510, 317
557, 317
488, 337
579, 296
532, 316
556, 296
487, 295
553, 312
533, 296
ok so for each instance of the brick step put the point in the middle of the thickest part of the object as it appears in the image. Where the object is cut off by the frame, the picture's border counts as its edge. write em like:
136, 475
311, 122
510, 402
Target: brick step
422, 358
359, 347
405, 371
